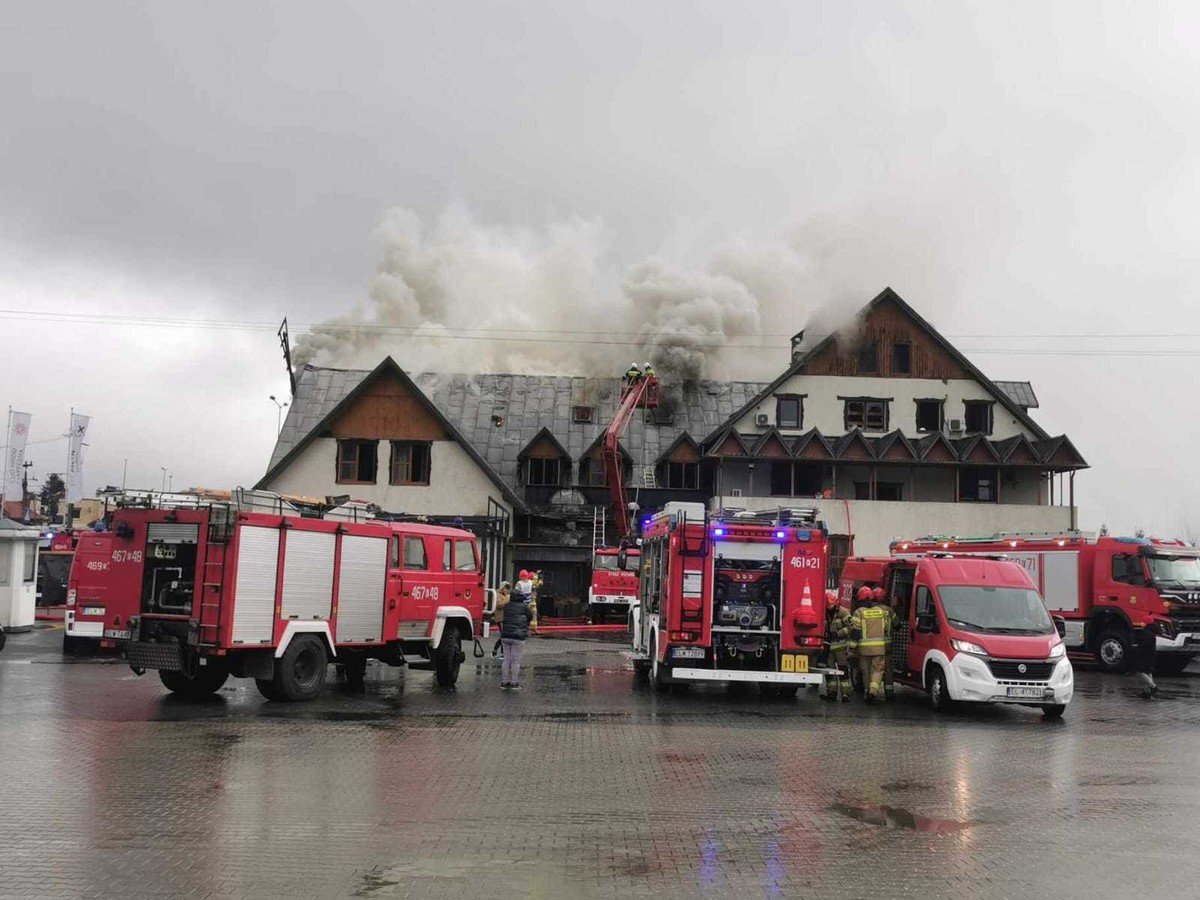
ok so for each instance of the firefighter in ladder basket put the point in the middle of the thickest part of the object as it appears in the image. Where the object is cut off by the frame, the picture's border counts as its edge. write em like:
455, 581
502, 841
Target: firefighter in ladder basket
870, 631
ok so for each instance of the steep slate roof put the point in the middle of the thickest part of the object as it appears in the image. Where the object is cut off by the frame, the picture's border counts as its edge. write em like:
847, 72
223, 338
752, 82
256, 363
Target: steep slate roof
885, 295
527, 403
1019, 392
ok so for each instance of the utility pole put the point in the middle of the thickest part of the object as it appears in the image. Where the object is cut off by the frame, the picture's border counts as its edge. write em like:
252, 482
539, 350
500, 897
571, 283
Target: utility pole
164, 481
124, 472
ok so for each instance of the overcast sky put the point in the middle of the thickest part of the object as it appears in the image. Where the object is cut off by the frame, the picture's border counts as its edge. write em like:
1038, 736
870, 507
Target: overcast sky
1012, 169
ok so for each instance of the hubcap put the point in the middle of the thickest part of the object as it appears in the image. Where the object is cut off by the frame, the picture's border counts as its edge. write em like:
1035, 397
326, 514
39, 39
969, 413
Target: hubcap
937, 689
1111, 652
306, 666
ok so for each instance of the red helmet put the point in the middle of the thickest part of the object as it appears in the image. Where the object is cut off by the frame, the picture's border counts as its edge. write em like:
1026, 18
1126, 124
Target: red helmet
523, 576
879, 594
865, 594
831, 599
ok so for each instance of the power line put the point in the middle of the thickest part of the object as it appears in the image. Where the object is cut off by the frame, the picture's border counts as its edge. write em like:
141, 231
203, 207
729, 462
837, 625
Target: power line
526, 335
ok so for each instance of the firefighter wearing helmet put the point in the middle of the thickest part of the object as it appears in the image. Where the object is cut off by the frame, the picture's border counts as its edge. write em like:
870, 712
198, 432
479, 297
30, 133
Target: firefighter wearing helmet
633, 374
837, 633
889, 663
871, 631
647, 371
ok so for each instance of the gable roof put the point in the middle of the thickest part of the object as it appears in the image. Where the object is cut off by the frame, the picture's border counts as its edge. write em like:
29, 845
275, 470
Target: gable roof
545, 434
884, 296
684, 438
523, 406
325, 393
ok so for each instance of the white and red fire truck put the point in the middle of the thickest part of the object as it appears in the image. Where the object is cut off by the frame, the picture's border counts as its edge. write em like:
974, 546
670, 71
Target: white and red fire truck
1103, 587
733, 598
218, 590
614, 586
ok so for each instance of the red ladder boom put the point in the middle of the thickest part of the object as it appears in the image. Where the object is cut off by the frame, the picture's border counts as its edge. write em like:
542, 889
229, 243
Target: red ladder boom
642, 392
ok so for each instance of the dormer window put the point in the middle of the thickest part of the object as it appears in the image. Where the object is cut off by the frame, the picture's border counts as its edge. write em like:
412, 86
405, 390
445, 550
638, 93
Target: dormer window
868, 359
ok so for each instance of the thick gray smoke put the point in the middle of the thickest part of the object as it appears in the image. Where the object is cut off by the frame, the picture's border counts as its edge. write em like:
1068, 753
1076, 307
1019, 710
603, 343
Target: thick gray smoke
461, 296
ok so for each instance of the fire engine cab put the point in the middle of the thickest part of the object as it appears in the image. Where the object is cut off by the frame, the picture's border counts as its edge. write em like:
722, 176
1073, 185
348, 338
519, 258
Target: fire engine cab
614, 584
734, 598
216, 590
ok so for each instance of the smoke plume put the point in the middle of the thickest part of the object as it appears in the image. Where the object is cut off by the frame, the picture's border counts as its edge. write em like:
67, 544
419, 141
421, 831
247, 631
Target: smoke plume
463, 296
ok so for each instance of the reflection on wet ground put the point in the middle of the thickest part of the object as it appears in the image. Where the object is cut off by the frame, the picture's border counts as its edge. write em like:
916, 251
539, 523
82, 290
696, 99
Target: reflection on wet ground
582, 785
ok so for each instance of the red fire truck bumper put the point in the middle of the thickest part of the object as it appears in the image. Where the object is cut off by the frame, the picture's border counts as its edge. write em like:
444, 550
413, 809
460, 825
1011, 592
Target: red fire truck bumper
814, 676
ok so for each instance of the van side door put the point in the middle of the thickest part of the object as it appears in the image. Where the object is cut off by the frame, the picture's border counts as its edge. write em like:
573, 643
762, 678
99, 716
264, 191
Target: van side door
923, 629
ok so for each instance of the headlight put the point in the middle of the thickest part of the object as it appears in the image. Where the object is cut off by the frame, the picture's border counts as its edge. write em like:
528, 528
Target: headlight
967, 647
1058, 651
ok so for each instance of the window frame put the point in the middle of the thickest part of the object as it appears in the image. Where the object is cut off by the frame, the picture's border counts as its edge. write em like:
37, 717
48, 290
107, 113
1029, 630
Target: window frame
865, 403
405, 564
991, 416
780, 400
447, 554
931, 608
542, 462
458, 569
413, 458
1125, 578
357, 444
29, 563
583, 415
5, 561
898, 485
683, 471
907, 346
871, 347
941, 406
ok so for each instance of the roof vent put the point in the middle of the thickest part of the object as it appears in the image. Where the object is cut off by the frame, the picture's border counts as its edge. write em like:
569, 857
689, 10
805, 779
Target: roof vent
584, 413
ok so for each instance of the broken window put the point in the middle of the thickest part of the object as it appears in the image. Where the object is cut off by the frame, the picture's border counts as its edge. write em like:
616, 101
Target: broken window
584, 413
789, 412
593, 472
901, 358
929, 415
683, 476
541, 472
869, 415
978, 416
868, 359
889, 490
410, 463
357, 461
977, 485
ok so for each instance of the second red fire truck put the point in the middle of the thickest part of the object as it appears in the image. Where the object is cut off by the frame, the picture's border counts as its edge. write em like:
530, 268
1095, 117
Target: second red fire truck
1104, 587
731, 599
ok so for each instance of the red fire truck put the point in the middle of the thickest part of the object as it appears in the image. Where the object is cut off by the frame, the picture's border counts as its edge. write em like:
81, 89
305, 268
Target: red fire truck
1104, 587
735, 598
614, 584
94, 617
216, 590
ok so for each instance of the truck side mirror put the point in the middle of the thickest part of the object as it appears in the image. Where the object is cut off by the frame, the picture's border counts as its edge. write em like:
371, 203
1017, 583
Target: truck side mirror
622, 559
1060, 625
927, 624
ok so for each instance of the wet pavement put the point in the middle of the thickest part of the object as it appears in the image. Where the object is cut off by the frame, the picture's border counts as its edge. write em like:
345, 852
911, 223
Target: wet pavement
582, 785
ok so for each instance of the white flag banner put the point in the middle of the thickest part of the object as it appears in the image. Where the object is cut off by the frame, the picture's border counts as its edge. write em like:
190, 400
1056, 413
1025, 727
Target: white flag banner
79, 427
14, 457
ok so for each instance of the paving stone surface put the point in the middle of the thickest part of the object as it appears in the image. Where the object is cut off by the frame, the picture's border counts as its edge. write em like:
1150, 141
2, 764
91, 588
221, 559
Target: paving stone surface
583, 785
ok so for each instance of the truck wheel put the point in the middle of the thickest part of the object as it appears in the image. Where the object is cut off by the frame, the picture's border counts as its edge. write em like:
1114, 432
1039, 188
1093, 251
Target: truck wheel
660, 675
353, 672
1054, 711
300, 672
939, 693
1112, 650
448, 657
788, 691
206, 682
641, 670
1171, 665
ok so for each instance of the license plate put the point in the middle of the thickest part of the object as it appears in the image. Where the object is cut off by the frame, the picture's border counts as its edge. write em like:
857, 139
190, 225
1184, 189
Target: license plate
689, 653
93, 610
117, 634
1025, 692
1192, 639
794, 662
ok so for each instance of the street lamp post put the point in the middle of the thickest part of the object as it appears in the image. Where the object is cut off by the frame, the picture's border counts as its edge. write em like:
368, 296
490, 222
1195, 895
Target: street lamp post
278, 414
164, 481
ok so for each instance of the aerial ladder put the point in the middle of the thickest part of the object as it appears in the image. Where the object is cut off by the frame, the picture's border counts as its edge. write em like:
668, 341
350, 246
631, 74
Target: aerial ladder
641, 391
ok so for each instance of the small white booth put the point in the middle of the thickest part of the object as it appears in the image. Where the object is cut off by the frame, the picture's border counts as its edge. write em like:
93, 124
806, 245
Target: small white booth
18, 575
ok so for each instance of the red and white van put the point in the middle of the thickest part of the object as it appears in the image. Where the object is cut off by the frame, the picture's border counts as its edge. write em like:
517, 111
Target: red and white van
971, 629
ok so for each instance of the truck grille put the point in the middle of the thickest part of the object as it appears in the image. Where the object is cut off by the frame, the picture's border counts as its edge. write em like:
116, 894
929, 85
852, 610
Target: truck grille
145, 655
1008, 668
1183, 625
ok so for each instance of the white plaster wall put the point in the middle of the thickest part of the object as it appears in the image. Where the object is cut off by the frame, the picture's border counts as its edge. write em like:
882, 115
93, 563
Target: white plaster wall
875, 524
823, 409
457, 485
17, 599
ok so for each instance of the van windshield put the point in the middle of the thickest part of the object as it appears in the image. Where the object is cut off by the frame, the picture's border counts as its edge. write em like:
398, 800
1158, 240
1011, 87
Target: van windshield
605, 563
998, 610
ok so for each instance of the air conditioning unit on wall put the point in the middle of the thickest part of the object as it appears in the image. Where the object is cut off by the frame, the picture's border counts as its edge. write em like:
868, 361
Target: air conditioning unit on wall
762, 420
954, 425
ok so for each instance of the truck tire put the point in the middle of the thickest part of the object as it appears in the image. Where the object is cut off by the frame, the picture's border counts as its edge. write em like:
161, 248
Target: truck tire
353, 672
1054, 711
1171, 665
300, 673
641, 671
206, 682
1112, 650
269, 689
660, 673
448, 657
939, 693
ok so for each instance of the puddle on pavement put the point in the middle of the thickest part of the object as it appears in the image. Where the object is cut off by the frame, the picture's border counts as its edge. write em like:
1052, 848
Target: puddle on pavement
896, 817
896, 787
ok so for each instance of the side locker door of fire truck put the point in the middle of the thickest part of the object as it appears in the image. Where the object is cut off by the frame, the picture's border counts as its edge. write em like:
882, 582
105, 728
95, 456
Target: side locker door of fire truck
255, 583
362, 582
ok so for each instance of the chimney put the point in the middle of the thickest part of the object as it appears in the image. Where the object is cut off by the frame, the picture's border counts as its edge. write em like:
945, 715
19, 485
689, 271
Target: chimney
797, 340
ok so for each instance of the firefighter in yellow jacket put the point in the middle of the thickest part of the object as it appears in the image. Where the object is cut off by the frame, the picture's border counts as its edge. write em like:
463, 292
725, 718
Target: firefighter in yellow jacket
871, 632
837, 633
